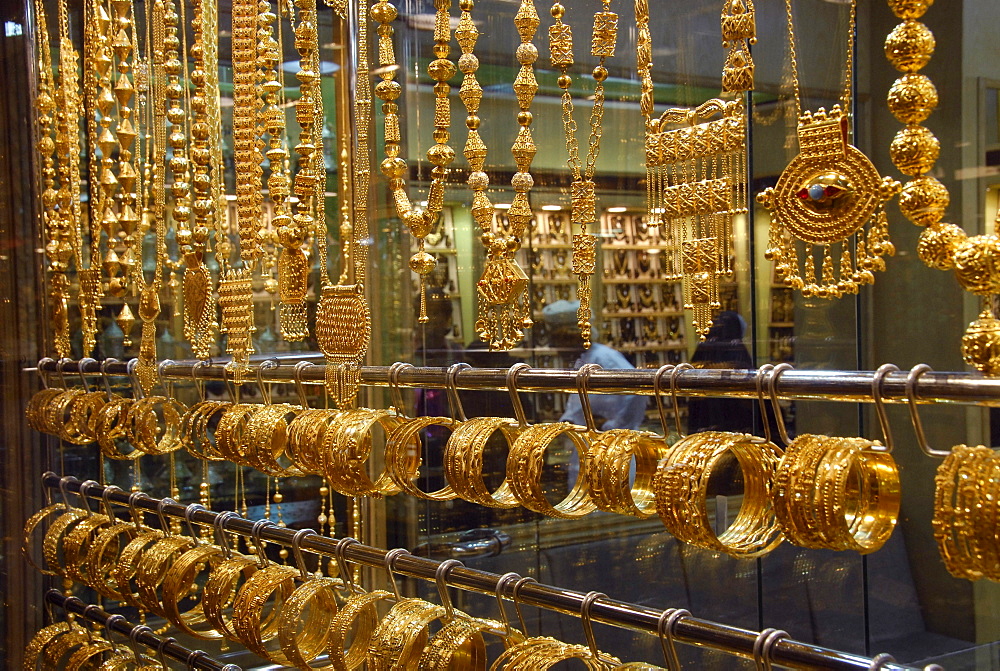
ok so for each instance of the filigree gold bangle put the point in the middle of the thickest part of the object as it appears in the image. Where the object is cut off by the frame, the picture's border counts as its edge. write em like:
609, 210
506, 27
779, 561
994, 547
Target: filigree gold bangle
303, 639
608, 470
463, 461
347, 450
524, 471
267, 440
102, 557
272, 583
403, 450
221, 589
402, 634
359, 608
152, 568
180, 579
28, 540
128, 561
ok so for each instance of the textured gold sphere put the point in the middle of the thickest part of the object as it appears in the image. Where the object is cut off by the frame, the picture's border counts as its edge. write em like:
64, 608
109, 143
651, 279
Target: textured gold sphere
910, 9
914, 150
440, 154
912, 98
924, 200
937, 245
981, 344
976, 265
423, 263
909, 46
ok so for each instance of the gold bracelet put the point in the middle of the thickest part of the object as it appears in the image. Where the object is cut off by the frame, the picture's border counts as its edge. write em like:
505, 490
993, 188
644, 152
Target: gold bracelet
103, 556
403, 450
458, 645
85, 653
538, 653
54, 655
181, 583
463, 461
75, 544
526, 460
128, 561
305, 438
194, 428
152, 432
52, 541
347, 450
80, 428
275, 583
402, 635
221, 589
229, 433
608, 470
267, 440
109, 425
360, 608
35, 408
28, 542
304, 639
40, 641
152, 568
985, 542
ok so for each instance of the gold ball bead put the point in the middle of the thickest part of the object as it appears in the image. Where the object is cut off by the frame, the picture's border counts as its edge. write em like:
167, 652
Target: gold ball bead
526, 53
981, 344
564, 81
324, 490
478, 181
600, 73
976, 265
937, 245
910, 9
383, 12
440, 154
278, 497
524, 118
912, 98
418, 224
924, 200
388, 89
393, 168
283, 553
441, 69
914, 150
466, 5
909, 46
557, 11
423, 263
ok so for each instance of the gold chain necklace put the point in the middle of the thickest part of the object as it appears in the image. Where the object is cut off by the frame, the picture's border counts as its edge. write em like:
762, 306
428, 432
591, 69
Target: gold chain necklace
696, 166
826, 195
583, 192
504, 311
343, 317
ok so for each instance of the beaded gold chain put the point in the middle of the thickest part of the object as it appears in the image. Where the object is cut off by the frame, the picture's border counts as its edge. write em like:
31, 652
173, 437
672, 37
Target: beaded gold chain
826, 195
582, 190
503, 308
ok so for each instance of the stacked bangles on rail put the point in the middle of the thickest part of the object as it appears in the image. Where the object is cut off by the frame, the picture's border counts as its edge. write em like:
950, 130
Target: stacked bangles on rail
837, 493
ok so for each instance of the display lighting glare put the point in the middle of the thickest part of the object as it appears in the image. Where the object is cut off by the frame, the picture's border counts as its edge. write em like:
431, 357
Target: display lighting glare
551, 208
615, 210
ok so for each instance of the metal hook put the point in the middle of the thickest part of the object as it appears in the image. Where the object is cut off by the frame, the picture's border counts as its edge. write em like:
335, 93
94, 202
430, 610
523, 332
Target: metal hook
758, 381
87, 608
395, 394
161, 647
516, 598
582, 381
108, 627
163, 517
588, 625
772, 390
673, 395
199, 383
109, 509
133, 637
665, 627
189, 512
258, 526
63, 483
59, 369
105, 377
390, 566
193, 658
231, 386
657, 395
454, 401
498, 592
134, 379
45, 360
83, 494
340, 555
299, 387
47, 490
81, 364
269, 364
441, 579
297, 550
513, 373
167, 387
880, 660
220, 531
877, 379
134, 511
911, 399
763, 647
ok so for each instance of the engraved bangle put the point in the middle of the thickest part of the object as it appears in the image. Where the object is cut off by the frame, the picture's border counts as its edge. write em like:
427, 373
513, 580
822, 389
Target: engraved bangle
608, 471
28, 541
403, 456
267, 435
128, 561
152, 568
273, 583
463, 461
103, 556
110, 426
303, 640
524, 471
347, 450
178, 583
221, 589
402, 635
360, 608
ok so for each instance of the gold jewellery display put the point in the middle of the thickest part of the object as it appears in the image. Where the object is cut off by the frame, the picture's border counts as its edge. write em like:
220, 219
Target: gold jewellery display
696, 166
827, 194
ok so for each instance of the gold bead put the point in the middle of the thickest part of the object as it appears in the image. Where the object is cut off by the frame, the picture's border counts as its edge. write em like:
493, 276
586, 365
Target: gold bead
937, 245
423, 263
909, 46
564, 81
600, 73
910, 9
981, 344
914, 150
278, 497
924, 200
912, 98
976, 265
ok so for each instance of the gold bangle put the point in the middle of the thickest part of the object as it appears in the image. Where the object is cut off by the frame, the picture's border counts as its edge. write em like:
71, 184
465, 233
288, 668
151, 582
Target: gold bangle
305, 437
195, 425
953, 500
102, 557
85, 653
984, 536
28, 542
128, 561
542, 652
274, 582
35, 408
52, 541
402, 635
360, 608
608, 470
76, 542
81, 427
152, 432
54, 655
40, 641
524, 471
221, 589
229, 432
347, 450
403, 450
301, 645
458, 645
267, 440
180, 580
109, 425
463, 461
152, 568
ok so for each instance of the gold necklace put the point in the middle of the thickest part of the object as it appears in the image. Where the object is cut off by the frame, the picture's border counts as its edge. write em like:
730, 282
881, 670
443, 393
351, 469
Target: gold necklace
696, 166
441, 154
503, 308
343, 317
826, 195
583, 193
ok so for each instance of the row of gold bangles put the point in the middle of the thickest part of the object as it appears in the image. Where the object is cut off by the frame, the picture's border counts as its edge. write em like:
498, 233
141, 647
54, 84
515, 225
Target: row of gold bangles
286, 614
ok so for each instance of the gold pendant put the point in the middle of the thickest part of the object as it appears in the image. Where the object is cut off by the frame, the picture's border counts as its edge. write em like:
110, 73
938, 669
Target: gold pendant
149, 309
236, 303
199, 322
503, 310
293, 281
90, 303
343, 331
828, 192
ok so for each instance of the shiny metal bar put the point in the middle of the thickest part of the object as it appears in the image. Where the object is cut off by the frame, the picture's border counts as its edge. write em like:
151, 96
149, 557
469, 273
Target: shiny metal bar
71, 604
691, 630
827, 385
